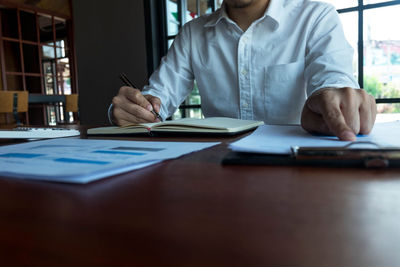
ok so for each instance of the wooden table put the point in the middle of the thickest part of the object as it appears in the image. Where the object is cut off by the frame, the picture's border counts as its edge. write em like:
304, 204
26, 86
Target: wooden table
193, 211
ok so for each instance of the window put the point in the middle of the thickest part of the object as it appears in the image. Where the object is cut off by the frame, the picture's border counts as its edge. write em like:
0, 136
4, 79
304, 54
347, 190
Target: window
36, 57
370, 27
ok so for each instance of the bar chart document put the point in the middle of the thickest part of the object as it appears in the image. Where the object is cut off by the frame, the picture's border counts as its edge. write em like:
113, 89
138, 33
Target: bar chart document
73, 160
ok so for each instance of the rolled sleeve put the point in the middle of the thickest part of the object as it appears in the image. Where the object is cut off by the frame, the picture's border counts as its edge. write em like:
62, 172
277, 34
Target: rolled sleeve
173, 80
329, 56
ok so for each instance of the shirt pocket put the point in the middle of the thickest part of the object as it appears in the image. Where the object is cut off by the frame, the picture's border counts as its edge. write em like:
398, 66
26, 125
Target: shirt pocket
284, 92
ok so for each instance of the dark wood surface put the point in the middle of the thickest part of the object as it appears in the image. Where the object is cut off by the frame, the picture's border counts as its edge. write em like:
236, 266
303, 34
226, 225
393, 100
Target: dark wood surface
192, 211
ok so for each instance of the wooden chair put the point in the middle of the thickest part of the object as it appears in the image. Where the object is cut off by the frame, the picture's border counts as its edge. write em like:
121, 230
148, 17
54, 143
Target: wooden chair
13, 102
71, 105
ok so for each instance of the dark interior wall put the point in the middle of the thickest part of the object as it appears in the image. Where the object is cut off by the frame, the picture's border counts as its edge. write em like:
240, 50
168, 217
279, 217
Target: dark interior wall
109, 39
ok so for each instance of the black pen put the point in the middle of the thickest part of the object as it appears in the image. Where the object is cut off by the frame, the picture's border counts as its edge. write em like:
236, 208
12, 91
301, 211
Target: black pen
127, 82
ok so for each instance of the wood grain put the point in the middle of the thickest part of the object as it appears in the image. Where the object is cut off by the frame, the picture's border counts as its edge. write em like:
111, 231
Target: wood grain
192, 211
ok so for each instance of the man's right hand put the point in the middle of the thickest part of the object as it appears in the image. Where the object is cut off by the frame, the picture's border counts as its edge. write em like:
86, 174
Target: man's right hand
130, 106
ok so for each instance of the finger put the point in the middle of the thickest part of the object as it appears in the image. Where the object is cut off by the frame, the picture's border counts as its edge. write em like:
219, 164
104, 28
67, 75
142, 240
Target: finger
122, 117
139, 112
373, 108
313, 122
319, 99
345, 99
134, 95
336, 123
155, 102
136, 112
124, 123
367, 114
351, 114
327, 102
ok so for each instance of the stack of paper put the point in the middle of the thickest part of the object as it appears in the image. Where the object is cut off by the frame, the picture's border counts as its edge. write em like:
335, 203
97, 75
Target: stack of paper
81, 160
37, 133
278, 139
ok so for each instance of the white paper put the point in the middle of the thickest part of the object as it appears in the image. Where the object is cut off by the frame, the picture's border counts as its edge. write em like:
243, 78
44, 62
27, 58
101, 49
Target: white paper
278, 139
76, 160
37, 133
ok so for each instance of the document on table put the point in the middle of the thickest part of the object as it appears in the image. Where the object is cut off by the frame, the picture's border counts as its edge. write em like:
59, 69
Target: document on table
278, 139
37, 133
74, 160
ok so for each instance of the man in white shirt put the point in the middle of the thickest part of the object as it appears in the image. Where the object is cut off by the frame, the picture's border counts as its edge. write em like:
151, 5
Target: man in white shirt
280, 61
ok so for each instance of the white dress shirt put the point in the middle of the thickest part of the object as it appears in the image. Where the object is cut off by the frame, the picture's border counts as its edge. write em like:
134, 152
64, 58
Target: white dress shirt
263, 73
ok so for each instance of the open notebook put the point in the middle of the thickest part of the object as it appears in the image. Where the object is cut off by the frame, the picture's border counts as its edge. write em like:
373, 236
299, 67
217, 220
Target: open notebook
212, 125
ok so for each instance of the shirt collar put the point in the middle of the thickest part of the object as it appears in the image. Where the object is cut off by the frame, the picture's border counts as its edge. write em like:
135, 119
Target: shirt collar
274, 11
217, 16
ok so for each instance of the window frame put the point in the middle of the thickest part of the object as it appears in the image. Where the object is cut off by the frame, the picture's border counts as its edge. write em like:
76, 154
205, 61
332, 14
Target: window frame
45, 104
360, 46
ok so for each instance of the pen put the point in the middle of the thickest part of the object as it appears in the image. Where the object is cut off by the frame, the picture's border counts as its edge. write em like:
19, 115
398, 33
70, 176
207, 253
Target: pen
127, 82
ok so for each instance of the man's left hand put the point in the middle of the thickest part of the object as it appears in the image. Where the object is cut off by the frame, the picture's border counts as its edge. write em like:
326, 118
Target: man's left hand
343, 112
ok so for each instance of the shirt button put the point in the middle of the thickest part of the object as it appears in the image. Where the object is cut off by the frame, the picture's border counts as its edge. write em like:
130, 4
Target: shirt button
245, 105
244, 72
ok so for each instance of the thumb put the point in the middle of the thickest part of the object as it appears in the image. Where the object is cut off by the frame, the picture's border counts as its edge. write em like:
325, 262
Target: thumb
155, 102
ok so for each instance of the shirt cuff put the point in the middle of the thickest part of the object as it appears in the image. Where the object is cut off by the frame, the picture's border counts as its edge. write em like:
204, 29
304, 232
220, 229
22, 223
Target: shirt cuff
334, 85
110, 115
